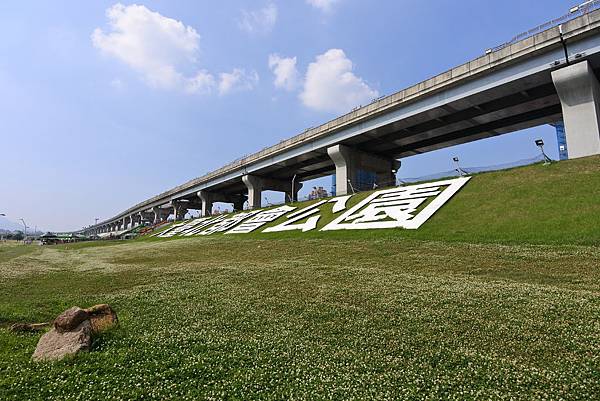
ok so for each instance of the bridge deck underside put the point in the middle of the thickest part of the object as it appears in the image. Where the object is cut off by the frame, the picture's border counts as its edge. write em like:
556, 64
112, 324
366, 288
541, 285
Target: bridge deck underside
519, 105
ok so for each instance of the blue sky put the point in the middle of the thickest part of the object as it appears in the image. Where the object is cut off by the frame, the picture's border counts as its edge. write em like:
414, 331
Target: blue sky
104, 104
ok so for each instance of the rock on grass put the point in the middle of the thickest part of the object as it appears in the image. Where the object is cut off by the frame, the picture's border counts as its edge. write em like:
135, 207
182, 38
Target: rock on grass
55, 345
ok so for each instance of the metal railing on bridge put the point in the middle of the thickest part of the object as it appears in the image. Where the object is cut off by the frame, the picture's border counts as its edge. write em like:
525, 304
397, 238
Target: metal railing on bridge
574, 12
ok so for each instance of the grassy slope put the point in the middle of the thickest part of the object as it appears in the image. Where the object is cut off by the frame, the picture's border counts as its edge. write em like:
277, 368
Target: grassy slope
559, 203
537, 204
334, 315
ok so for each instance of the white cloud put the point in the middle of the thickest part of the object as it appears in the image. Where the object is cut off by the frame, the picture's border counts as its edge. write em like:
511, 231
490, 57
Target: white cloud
323, 5
259, 21
330, 85
202, 83
286, 73
165, 51
153, 45
237, 80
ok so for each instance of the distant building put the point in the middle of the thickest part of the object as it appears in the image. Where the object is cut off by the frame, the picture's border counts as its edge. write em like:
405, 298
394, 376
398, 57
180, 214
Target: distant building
561, 139
318, 193
365, 181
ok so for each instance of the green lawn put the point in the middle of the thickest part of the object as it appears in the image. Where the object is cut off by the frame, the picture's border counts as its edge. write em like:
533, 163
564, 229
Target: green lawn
477, 304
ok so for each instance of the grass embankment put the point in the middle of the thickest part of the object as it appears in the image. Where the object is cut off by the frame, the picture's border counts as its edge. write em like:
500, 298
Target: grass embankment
537, 204
382, 315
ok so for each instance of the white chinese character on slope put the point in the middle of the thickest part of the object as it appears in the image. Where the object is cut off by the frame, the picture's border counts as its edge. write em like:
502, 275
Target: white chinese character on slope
171, 231
229, 223
311, 214
201, 224
260, 220
397, 207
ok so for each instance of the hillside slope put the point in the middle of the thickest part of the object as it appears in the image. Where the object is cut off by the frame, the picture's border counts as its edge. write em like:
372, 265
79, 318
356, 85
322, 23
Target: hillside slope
537, 204
558, 203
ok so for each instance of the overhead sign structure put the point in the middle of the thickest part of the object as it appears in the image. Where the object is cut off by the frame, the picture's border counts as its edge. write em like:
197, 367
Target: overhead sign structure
406, 207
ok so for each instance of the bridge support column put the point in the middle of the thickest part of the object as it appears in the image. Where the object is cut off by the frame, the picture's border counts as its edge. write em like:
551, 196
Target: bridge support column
579, 93
293, 196
255, 188
179, 210
207, 202
349, 161
146, 217
238, 205
209, 198
157, 214
256, 185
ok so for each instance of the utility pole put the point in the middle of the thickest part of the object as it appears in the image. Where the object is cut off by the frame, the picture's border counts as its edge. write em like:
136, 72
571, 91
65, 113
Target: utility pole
25, 226
292, 194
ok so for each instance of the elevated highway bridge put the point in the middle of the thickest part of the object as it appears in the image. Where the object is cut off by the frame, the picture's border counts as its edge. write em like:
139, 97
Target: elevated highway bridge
544, 78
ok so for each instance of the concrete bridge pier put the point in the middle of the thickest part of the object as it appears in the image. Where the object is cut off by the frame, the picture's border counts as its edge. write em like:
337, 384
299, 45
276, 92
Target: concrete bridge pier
349, 161
579, 93
179, 210
209, 198
160, 214
238, 205
146, 216
257, 184
292, 196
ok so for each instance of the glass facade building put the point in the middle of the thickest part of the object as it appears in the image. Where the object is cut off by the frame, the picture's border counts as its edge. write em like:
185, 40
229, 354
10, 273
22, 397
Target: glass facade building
365, 181
561, 139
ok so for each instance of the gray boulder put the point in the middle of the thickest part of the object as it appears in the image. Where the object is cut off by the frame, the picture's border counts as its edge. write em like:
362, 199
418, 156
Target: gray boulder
70, 319
55, 345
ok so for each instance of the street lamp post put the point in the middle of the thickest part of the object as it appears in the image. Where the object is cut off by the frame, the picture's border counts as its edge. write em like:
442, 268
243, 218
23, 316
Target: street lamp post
292, 200
2, 236
25, 226
459, 169
351, 187
540, 144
